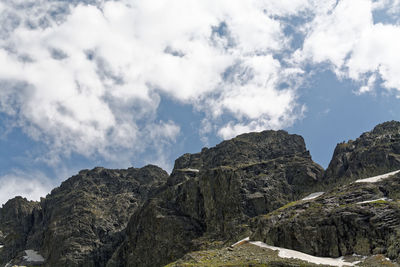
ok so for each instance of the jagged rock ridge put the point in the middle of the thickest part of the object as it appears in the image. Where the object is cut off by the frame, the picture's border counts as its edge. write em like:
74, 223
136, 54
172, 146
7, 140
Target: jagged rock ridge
374, 152
210, 196
16, 220
361, 218
81, 222
143, 217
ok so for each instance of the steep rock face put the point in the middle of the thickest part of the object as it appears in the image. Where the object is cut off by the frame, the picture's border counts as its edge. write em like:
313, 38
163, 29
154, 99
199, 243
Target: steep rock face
245, 149
361, 218
81, 222
211, 195
374, 152
16, 222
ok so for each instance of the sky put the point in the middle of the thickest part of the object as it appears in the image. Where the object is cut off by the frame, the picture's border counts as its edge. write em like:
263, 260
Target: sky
123, 83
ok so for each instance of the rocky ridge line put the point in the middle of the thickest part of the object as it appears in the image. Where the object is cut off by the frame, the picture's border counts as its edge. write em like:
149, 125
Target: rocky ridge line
248, 185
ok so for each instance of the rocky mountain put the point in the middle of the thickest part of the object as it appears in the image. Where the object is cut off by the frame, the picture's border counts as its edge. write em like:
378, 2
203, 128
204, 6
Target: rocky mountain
361, 218
16, 220
81, 222
253, 185
374, 152
210, 196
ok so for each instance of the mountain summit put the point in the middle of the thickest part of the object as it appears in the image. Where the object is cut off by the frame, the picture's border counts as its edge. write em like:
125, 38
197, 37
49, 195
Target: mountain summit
264, 186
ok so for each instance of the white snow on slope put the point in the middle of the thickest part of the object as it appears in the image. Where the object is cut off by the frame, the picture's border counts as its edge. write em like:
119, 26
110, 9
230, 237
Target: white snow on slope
377, 178
1, 246
313, 195
33, 256
288, 253
192, 170
373, 200
245, 240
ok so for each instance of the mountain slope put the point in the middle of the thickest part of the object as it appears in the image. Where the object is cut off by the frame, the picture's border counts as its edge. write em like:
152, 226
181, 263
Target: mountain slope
252, 185
362, 218
16, 221
350, 218
81, 222
373, 153
211, 195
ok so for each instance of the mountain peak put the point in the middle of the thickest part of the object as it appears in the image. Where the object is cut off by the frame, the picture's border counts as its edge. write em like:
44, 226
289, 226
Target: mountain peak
374, 152
387, 127
244, 149
145, 217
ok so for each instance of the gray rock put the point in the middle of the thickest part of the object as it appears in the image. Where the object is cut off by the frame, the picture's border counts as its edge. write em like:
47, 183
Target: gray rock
81, 222
340, 222
237, 180
373, 153
16, 221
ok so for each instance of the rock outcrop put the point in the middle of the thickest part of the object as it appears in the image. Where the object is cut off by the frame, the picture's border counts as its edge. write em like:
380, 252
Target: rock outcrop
16, 221
81, 222
361, 218
211, 195
358, 218
374, 152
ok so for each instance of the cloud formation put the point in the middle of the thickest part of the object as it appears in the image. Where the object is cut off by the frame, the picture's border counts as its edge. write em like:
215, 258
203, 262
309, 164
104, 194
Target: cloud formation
356, 44
33, 186
87, 77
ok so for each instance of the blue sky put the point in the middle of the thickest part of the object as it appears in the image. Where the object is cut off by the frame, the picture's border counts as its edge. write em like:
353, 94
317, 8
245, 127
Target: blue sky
127, 83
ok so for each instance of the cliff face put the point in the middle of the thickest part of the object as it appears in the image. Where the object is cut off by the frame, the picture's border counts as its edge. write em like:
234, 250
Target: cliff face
245, 149
251, 185
374, 152
81, 222
16, 221
210, 196
362, 218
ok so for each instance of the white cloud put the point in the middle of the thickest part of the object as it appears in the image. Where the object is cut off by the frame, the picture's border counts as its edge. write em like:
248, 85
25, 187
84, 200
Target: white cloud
377, 52
252, 96
334, 34
369, 86
390, 6
88, 79
357, 48
32, 186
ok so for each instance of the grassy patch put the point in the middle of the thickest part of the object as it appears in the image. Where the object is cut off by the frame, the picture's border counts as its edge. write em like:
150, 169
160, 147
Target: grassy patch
241, 256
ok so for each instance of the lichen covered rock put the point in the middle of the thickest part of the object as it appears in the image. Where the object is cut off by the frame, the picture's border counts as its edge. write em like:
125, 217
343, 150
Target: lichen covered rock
361, 218
81, 222
210, 196
16, 221
374, 152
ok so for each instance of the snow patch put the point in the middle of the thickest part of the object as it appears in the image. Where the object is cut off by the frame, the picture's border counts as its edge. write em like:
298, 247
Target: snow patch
288, 253
313, 195
33, 256
378, 178
188, 170
1, 246
373, 200
240, 242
